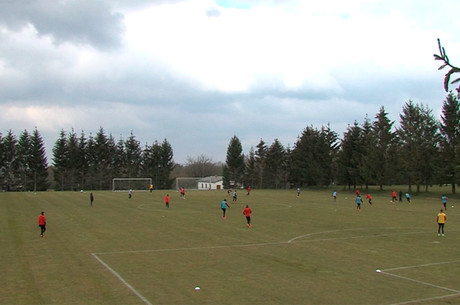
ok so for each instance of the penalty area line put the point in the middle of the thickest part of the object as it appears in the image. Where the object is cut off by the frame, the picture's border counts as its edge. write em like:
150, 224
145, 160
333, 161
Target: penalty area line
118, 276
454, 294
420, 282
423, 265
427, 299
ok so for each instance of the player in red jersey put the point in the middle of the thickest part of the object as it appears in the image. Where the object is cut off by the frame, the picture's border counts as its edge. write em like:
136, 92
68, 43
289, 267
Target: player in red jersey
247, 212
167, 201
369, 198
42, 224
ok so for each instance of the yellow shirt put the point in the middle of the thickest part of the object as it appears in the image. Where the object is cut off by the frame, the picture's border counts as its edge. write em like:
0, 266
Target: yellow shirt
441, 218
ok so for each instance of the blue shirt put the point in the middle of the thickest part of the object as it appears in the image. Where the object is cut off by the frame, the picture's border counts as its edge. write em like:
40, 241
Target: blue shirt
224, 204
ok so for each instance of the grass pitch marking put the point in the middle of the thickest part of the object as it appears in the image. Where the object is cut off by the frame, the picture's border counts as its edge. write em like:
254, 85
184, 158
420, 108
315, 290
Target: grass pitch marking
140, 296
160, 206
455, 292
292, 240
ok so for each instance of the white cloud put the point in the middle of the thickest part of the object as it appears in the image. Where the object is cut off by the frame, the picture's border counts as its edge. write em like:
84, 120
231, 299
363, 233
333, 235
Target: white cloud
198, 72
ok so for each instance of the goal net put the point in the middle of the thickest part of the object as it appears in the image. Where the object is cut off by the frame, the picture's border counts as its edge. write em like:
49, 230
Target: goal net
136, 184
188, 183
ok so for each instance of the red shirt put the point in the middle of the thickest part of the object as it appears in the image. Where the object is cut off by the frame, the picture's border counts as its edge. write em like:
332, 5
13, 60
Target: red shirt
369, 196
166, 199
42, 220
247, 212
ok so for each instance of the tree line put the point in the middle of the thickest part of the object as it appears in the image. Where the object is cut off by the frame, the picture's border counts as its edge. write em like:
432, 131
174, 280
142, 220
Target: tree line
23, 164
421, 152
80, 161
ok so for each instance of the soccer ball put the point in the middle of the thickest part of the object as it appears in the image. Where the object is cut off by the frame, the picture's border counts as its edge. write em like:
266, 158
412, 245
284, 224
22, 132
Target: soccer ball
81, 191
197, 288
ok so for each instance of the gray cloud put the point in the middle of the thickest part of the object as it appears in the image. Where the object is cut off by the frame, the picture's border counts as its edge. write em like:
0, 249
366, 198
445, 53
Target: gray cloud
84, 22
89, 77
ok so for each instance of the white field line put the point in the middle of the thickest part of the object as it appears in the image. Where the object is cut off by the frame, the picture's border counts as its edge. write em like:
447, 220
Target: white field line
316, 233
455, 292
159, 206
263, 244
421, 282
423, 265
427, 299
140, 296
191, 248
291, 241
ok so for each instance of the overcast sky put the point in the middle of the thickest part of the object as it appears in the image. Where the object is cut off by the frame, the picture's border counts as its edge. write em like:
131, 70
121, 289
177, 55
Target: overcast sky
199, 72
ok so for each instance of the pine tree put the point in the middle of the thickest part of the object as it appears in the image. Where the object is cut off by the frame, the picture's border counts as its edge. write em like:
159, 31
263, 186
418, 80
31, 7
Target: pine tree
147, 161
234, 164
155, 163
328, 154
120, 160
385, 140
167, 165
73, 160
82, 161
419, 135
133, 156
60, 161
350, 155
103, 160
276, 158
91, 162
38, 162
260, 157
313, 157
250, 176
450, 143
23, 151
367, 164
305, 164
10, 168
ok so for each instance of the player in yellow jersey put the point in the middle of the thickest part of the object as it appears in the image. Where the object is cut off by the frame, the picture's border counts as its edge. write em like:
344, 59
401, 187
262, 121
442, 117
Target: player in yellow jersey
441, 220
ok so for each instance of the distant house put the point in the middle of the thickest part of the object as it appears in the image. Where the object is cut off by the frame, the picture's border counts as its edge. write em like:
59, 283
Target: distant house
211, 183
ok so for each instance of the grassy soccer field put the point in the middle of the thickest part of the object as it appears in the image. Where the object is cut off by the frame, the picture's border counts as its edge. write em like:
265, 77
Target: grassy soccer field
306, 250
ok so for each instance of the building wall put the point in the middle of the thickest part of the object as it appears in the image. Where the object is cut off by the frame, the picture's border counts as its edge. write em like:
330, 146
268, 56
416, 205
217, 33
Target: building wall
202, 185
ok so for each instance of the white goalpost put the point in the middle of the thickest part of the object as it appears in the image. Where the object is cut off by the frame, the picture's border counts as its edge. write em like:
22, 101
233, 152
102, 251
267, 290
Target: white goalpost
135, 184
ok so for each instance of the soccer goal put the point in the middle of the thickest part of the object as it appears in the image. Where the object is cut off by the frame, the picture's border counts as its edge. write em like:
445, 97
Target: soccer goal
188, 183
136, 184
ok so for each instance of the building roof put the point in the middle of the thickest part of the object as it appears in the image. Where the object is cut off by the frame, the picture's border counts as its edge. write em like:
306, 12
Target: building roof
211, 179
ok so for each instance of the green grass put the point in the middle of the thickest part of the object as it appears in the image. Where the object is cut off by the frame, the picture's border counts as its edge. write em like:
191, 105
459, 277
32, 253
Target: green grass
306, 250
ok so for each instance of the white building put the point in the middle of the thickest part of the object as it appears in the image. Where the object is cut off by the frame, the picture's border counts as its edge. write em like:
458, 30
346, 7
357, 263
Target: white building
210, 183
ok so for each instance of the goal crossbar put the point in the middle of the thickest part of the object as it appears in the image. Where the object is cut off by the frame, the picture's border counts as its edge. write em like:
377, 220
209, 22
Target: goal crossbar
124, 184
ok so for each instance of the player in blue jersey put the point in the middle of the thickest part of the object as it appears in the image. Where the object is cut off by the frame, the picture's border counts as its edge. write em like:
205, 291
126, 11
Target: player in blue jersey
224, 207
358, 203
444, 201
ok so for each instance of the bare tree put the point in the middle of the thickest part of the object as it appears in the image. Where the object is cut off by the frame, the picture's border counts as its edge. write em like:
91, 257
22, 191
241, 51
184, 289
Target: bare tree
202, 166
